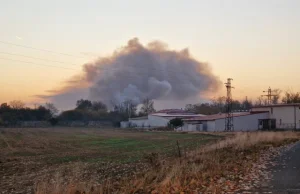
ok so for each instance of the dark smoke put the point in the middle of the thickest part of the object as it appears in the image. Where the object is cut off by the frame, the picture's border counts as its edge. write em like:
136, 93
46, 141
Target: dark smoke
135, 72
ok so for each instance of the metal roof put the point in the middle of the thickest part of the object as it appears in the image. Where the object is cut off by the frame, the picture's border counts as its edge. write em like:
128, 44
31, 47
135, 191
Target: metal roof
139, 118
221, 116
172, 111
277, 105
176, 115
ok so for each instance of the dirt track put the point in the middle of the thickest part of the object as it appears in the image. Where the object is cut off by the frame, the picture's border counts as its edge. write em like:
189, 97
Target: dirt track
285, 175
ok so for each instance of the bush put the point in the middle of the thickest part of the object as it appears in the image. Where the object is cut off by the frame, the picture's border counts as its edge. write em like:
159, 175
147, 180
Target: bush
53, 121
177, 122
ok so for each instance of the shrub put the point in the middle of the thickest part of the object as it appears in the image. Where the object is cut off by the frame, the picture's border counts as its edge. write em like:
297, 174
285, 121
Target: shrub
53, 121
177, 122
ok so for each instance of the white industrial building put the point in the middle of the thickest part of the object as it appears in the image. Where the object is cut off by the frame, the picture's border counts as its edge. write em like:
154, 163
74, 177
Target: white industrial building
158, 119
267, 117
279, 116
246, 121
283, 116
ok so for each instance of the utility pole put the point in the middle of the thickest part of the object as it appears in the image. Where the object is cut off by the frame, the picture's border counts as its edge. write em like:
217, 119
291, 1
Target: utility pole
246, 103
269, 95
229, 115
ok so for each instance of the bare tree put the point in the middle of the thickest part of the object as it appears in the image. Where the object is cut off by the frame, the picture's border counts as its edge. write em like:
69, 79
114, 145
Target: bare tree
246, 104
276, 96
99, 106
127, 107
261, 101
51, 107
147, 106
291, 97
17, 104
83, 104
219, 103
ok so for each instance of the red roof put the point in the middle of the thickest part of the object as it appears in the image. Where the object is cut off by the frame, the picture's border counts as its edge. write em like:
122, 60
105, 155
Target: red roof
171, 111
277, 105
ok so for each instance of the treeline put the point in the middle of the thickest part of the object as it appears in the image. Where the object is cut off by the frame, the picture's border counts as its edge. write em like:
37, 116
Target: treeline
11, 114
86, 110
217, 105
14, 112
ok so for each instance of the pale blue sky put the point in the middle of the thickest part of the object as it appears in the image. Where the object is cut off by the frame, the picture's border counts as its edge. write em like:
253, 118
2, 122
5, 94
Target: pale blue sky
254, 41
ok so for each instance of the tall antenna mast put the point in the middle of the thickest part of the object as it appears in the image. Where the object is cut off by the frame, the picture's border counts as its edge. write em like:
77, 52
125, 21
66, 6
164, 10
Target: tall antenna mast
229, 115
269, 95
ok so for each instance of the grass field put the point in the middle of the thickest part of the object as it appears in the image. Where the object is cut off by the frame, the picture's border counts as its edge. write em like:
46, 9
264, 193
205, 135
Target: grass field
31, 156
78, 160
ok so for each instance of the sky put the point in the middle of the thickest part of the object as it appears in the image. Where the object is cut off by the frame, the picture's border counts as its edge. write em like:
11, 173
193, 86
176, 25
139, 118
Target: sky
255, 42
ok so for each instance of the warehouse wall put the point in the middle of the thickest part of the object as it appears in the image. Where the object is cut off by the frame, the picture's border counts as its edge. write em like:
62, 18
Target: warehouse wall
156, 121
192, 127
208, 126
139, 123
242, 123
284, 115
287, 115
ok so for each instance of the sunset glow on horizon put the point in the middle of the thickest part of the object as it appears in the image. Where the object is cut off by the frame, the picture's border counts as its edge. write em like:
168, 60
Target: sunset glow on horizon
44, 44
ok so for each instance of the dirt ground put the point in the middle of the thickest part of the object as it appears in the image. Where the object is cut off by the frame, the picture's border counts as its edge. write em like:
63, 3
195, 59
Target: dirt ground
31, 156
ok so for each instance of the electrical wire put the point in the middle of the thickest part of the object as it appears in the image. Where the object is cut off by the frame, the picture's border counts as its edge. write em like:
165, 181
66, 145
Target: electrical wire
39, 49
45, 50
35, 58
170, 73
37, 64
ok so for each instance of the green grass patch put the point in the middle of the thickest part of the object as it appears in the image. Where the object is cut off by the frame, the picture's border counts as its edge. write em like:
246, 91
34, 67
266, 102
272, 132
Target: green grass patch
24, 153
104, 145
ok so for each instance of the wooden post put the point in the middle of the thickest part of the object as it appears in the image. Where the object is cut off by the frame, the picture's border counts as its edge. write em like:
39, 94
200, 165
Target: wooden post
179, 152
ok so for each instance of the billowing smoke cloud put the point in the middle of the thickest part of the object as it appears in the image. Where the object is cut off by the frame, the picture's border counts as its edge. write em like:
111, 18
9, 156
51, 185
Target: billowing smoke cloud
136, 72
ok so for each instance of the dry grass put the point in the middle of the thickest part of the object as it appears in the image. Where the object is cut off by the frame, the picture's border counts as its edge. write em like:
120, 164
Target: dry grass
212, 169
54, 159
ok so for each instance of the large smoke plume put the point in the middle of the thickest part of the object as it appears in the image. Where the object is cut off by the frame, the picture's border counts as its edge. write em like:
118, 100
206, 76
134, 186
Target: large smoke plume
136, 72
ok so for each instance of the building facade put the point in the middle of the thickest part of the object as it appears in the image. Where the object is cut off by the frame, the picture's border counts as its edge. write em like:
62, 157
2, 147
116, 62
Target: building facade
245, 121
158, 119
268, 117
285, 116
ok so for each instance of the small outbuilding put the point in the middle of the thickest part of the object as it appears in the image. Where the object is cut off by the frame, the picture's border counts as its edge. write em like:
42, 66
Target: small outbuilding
281, 116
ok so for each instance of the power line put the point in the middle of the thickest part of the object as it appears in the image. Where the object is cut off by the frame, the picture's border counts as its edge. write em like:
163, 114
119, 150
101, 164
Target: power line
36, 58
229, 126
170, 73
39, 49
45, 50
153, 68
129, 76
37, 64
269, 95
13, 54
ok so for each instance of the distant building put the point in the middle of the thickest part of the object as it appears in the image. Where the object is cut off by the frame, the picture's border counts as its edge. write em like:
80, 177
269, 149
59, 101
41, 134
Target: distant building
277, 116
268, 117
158, 119
243, 121
283, 116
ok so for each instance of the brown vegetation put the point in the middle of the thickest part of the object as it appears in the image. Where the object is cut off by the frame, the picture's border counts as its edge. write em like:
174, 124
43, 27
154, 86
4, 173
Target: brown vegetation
53, 158
77, 160
214, 168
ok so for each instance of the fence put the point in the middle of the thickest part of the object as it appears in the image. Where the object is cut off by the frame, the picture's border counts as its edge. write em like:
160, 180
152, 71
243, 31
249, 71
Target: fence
28, 124
288, 125
85, 124
43, 124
